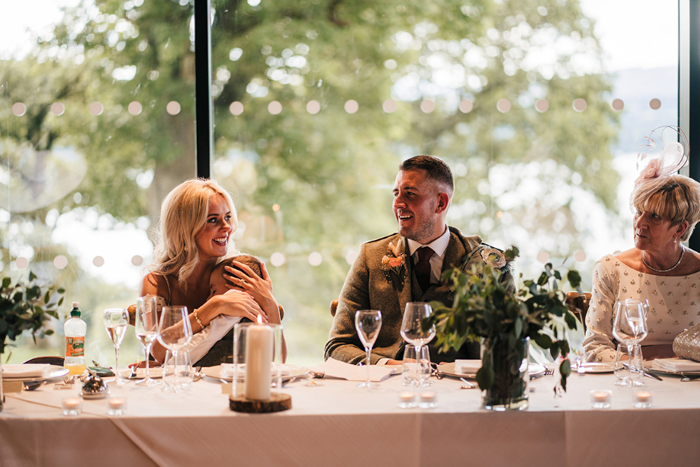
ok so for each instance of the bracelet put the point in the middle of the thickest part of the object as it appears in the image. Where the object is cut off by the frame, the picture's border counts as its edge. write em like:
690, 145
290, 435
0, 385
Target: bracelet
199, 321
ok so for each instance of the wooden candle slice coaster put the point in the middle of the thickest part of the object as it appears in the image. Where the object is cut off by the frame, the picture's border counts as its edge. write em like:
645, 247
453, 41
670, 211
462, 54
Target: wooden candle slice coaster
277, 403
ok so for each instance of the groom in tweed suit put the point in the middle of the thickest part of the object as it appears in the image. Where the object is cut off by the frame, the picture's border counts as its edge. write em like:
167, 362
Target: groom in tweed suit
394, 270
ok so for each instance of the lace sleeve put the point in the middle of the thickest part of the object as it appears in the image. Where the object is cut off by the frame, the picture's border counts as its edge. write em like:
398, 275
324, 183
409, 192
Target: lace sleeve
599, 343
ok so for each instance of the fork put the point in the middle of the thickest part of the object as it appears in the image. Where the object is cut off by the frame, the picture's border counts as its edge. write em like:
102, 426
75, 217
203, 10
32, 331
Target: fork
549, 371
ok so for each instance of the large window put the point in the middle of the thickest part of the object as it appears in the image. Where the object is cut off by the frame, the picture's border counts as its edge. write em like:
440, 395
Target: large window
539, 107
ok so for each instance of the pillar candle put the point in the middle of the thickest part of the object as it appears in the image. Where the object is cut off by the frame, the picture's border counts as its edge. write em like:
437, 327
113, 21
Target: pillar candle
258, 356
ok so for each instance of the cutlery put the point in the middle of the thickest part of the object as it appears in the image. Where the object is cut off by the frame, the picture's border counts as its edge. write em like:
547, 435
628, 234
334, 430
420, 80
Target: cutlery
197, 374
30, 386
467, 384
686, 378
646, 373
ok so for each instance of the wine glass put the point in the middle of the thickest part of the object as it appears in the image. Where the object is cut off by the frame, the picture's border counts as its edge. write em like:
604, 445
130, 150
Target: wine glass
116, 321
413, 366
412, 327
630, 328
174, 332
368, 323
146, 331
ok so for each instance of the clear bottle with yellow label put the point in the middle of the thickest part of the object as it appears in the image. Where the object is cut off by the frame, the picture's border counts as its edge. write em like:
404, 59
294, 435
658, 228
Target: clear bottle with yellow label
75, 329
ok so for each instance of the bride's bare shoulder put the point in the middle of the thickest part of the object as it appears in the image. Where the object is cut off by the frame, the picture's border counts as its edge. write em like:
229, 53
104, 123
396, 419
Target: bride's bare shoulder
153, 284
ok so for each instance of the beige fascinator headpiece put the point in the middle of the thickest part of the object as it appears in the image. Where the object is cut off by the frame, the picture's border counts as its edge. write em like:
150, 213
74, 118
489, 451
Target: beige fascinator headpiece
652, 165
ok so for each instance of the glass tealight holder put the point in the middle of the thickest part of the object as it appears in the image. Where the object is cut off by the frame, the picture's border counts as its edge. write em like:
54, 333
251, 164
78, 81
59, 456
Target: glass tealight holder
601, 399
72, 406
257, 360
116, 406
643, 398
427, 400
407, 399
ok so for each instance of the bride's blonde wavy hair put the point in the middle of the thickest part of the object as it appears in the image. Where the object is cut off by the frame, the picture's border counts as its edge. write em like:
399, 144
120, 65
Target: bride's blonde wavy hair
182, 215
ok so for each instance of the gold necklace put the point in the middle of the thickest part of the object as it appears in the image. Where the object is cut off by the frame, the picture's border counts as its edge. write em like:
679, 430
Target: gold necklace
665, 270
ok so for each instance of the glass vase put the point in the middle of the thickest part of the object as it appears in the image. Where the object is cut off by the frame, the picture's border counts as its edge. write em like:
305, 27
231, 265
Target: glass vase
511, 376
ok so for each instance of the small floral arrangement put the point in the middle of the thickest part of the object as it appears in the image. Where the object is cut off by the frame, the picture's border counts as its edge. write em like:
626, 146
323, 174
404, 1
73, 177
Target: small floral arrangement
394, 262
484, 308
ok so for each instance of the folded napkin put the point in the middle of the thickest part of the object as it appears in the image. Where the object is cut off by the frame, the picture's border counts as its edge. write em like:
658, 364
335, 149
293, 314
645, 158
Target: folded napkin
336, 369
468, 367
30, 370
205, 339
227, 370
675, 365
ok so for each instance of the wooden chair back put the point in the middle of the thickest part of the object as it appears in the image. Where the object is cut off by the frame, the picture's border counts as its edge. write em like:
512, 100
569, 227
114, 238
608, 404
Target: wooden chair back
578, 305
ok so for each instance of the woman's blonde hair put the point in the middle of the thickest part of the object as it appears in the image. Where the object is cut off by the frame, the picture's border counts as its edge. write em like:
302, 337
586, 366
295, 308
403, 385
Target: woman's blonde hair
672, 197
182, 215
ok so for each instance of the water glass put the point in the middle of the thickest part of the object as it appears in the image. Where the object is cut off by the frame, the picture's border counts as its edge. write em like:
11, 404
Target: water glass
178, 373
174, 333
416, 371
619, 368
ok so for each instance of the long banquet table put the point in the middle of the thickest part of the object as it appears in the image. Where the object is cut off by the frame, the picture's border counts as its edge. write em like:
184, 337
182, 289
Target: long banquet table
336, 423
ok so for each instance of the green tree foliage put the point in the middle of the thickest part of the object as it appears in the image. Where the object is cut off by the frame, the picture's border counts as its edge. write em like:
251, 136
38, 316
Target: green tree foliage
320, 181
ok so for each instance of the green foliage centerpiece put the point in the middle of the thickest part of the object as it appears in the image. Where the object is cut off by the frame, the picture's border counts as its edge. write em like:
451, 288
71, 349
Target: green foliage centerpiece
27, 307
506, 320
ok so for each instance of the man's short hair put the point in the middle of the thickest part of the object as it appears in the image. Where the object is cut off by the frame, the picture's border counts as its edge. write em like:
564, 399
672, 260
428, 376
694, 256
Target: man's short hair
251, 261
435, 168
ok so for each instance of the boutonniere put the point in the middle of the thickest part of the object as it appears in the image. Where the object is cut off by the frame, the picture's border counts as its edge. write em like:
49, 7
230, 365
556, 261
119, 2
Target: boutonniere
394, 262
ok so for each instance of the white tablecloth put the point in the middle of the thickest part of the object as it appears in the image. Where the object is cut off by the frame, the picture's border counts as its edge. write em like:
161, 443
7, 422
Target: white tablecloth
336, 423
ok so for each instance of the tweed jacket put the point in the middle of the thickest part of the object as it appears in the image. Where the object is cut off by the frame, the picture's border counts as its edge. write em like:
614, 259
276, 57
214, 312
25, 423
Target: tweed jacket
372, 285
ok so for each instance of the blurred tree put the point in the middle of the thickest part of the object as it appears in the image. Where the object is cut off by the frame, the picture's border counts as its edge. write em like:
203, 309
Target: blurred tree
361, 84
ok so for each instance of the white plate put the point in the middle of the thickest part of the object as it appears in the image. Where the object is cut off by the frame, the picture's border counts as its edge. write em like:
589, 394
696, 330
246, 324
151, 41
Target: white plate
593, 367
448, 369
216, 372
55, 371
141, 373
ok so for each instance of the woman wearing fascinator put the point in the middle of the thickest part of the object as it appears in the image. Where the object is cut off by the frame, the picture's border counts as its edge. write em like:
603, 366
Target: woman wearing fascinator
659, 268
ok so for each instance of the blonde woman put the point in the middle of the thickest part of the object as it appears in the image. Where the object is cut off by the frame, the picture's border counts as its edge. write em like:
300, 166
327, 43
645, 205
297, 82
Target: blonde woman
196, 222
659, 269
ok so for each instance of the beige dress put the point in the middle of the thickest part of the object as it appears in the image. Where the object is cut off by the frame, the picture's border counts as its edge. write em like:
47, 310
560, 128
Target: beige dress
674, 305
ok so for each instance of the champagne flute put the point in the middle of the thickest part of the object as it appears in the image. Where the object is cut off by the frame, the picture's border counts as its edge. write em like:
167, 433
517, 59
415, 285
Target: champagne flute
368, 323
116, 321
630, 328
146, 331
412, 327
174, 332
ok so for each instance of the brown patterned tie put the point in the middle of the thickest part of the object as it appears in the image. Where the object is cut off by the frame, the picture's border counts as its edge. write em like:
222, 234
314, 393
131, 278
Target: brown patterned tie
422, 267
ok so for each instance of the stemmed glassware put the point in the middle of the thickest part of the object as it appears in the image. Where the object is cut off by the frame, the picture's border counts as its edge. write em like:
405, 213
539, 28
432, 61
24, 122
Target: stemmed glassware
116, 321
174, 332
368, 323
412, 329
630, 328
146, 331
